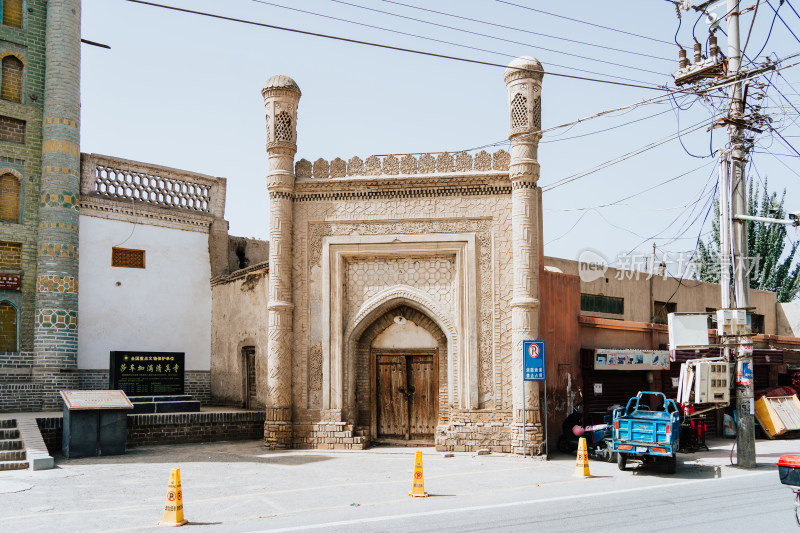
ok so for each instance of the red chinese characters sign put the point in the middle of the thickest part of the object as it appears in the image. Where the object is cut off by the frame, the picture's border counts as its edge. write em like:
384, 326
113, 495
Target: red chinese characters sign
9, 282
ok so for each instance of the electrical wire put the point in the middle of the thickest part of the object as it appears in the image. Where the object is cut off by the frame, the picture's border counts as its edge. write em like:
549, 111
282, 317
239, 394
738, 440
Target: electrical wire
781, 19
605, 129
680, 139
696, 246
502, 26
436, 24
750, 30
579, 175
396, 48
584, 22
615, 202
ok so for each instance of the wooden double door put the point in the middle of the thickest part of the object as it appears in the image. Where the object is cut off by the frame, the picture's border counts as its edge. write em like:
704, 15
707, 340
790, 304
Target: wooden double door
405, 396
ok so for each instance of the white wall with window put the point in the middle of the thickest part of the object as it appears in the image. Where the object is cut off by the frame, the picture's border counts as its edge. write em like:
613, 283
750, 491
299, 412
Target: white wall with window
164, 306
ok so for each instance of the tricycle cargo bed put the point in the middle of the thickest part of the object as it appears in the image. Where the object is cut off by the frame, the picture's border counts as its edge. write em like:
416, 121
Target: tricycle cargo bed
644, 429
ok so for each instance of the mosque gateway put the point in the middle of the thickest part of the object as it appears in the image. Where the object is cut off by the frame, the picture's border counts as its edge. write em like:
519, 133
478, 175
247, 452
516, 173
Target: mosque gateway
400, 289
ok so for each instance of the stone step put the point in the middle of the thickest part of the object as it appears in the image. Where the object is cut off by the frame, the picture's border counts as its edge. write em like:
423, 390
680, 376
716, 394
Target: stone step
11, 444
13, 465
13, 455
8, 423
9, 433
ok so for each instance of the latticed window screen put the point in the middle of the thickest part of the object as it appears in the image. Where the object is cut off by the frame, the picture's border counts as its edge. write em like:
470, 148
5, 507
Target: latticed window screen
283, 127
519, 111
125, 257
537, 113
597, 303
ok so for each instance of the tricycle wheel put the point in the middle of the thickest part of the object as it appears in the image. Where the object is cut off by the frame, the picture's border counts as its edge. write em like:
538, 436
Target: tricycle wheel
672, 463
622, 460
608, 453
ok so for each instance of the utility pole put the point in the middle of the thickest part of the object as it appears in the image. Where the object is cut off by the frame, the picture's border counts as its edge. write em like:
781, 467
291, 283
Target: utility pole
745, 430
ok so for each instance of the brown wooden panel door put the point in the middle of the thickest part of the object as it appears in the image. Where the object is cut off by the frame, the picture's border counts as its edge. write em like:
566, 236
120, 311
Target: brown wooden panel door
391, 398
422, 402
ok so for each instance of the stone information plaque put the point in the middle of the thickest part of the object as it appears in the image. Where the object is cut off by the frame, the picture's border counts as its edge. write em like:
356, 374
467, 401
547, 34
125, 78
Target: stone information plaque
82, 400
147, 373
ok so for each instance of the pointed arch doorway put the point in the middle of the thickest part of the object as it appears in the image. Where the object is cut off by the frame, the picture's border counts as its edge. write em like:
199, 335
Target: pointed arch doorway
404, 377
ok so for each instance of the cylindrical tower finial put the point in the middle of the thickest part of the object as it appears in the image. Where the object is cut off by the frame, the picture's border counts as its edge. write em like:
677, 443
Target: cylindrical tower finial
523, 79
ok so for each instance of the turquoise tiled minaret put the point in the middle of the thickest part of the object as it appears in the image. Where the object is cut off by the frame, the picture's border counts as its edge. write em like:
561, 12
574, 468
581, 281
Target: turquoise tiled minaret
56, 314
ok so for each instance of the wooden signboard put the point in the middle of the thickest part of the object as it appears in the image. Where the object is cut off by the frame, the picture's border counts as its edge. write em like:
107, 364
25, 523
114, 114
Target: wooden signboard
82, 400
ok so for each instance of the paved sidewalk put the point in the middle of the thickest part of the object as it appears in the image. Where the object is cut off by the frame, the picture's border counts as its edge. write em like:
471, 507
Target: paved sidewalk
240, 486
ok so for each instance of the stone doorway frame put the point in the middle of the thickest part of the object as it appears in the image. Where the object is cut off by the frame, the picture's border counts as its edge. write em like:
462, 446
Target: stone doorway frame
460, 329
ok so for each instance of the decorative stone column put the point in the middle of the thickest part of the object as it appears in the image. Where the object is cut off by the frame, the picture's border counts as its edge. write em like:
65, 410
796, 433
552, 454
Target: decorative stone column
281, 97
55, 335
523, 79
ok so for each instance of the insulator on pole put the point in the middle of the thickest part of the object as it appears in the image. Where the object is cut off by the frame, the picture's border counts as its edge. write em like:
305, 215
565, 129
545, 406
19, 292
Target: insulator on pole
683, 60
698, 52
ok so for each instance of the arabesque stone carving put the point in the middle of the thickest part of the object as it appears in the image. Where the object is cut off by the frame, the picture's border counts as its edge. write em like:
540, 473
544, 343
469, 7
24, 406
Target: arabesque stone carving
501, 160
408, 165
373, 166
338, 168
321, 169
302, 169
391, 166
355, 166
463, 162
483, 161
444, 163
427, 164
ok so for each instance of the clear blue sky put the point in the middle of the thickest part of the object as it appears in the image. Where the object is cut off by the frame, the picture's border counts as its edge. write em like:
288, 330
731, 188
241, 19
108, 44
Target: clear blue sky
184, 91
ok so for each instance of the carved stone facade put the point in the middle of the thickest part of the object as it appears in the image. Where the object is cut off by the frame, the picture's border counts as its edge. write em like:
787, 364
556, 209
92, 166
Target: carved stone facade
426, 263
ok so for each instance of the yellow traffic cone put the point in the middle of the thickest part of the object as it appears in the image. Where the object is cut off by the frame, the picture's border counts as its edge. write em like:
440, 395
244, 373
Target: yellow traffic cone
173, 509
418, 482
582, 465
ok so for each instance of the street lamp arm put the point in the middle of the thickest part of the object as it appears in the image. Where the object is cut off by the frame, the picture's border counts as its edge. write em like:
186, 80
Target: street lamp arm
794, 219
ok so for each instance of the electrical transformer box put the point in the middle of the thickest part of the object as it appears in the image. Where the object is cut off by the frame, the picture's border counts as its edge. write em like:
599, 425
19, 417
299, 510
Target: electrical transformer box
704, 382
732, 321
712, 382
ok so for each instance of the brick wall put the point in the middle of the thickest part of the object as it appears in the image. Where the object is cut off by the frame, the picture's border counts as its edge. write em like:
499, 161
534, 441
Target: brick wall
12, 13
469, 431
93, 379
10, 255
10, 195
12, 129
198, 384
19, 397
11, 87
155, 429
8, 327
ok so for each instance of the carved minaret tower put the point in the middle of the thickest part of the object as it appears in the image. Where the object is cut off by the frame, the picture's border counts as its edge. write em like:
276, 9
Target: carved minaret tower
281, 97
523, 79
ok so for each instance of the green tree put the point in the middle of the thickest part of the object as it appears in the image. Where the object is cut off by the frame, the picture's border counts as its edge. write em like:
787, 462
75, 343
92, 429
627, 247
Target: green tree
771, 261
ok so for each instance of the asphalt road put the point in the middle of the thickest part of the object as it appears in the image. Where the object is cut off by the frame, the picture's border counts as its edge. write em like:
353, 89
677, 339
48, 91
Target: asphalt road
242, 487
